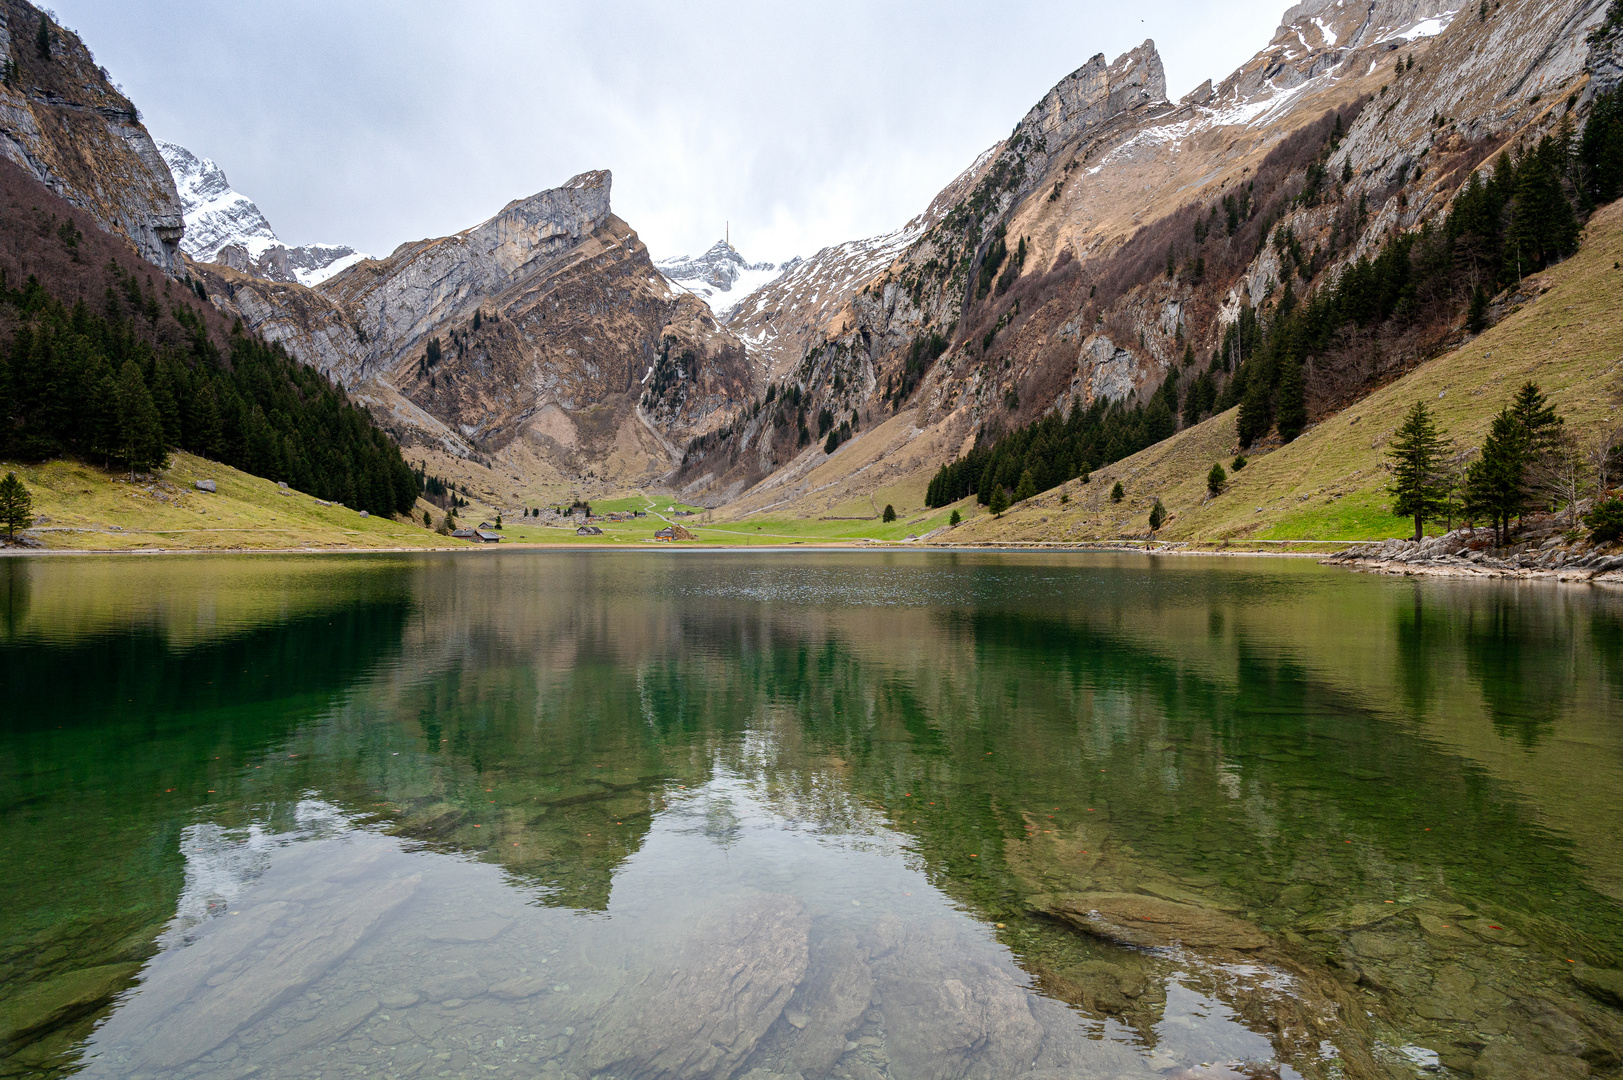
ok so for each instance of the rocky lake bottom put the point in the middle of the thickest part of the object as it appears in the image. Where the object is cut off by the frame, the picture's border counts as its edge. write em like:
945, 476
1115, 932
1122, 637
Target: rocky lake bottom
837, 816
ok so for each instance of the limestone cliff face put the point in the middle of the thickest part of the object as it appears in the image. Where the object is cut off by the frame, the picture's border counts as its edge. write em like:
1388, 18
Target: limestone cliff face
541, 340
1097, 91
64, 123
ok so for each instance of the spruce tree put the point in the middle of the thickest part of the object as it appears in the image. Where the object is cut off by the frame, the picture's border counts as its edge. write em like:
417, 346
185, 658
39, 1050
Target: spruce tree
1292, 407
1026, 488
206, 429
16, 506
1496, 483
1000, 500
1418, 456
1540, 425
1117, 493
1476, 317
1158, 515
1216, 480
140, 429
42, 38
890, 513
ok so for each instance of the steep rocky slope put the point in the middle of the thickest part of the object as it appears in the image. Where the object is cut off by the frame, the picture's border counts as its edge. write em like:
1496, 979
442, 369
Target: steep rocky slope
539, 350
1067, 272
721, 277
65, 124
1330, 484
225, 226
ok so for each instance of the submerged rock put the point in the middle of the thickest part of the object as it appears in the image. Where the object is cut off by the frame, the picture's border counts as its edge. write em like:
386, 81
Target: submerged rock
700, 1008
38, 1007
1604, 984
1132, 919
202, 995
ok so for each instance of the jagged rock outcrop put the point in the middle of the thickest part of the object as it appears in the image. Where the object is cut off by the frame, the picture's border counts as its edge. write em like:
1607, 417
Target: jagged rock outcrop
62, 121
225, 226
1095, 92
542, 337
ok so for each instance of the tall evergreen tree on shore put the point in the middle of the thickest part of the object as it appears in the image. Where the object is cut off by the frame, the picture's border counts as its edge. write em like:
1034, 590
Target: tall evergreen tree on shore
1496, 482
1418, 457
16, 506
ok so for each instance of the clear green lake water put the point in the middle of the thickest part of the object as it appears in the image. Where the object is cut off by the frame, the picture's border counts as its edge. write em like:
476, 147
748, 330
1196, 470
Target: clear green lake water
765, 815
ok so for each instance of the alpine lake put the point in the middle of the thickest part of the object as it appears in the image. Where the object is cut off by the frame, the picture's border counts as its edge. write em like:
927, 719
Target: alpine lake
779, 814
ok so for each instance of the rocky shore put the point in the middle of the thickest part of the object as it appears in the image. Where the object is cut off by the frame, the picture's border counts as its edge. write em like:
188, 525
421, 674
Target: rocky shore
1547, 546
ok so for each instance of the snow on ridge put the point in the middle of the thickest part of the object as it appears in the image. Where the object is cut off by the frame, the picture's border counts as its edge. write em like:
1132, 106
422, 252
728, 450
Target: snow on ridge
316, 276
219, 217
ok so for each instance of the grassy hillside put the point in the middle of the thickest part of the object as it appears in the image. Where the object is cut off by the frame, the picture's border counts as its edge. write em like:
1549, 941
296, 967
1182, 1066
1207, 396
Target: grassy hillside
1329, 484
79, 507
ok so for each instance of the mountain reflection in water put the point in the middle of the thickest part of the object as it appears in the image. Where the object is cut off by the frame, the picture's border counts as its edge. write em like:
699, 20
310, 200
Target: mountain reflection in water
821, 815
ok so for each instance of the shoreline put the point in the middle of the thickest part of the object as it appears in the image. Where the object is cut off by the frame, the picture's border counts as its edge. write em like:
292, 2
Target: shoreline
1386, 567
988, 547
1394, 568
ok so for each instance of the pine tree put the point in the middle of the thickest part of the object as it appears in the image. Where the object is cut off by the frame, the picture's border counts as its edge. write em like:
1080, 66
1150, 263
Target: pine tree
1496, 483
42, 38
1216, 479
1420, 483
1158, 516
890, 513
140, 429
16, 506
955, 519
1000, 500
1026, 488
1117, 493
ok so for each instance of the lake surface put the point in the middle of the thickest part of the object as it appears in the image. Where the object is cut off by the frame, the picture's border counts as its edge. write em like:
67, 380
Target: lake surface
764, 815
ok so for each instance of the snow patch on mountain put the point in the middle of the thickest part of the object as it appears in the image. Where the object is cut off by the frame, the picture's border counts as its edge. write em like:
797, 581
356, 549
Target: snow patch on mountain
225, 226
721, 277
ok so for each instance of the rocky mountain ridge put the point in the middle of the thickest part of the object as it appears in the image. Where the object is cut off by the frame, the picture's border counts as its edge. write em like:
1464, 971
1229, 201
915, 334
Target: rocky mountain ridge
539, 347
225, 226
65, 124
1086, 214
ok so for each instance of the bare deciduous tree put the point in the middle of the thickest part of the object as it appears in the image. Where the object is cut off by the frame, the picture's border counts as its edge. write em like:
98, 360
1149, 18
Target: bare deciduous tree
1562, 472
1605, 459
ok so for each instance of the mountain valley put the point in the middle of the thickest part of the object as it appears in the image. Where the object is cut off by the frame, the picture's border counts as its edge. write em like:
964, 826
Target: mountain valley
1118, 252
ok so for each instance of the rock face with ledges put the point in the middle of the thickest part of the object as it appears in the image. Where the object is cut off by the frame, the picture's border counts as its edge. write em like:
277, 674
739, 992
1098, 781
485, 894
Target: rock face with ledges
555, 342
64, 123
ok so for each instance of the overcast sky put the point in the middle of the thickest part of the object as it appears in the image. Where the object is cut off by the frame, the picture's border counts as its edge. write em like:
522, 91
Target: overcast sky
806, 124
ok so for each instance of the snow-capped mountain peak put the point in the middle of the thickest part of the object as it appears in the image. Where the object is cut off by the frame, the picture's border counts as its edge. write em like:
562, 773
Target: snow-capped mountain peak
721, 277
225, 226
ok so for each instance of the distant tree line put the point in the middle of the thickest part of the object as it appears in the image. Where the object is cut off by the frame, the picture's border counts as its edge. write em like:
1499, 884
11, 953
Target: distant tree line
1508, 222
96, 384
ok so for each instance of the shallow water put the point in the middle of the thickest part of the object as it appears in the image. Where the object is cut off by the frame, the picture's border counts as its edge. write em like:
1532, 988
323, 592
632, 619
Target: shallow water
921, 815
